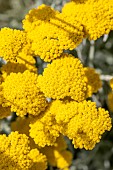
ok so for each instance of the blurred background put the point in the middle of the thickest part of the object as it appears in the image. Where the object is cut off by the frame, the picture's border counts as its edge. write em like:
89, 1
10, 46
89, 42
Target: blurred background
98, 54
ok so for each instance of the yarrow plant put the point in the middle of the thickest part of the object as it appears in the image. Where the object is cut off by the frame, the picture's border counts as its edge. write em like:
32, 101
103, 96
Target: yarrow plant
56, 104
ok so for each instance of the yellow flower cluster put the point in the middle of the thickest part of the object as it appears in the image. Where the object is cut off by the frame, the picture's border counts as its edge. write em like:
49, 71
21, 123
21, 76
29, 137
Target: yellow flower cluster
57, 155
44, 129
15, 154
47, 33
66, 77
82, 122
52, 32
94, 82
22, 94
95, 15
13, 42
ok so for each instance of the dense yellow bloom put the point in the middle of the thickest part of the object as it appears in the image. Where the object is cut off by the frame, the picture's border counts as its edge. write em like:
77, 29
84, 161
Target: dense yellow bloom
51, 34
4, 112
12, 42
64, 77
15, 153
94, 81
95, 15
82, 122
58, 155
110, 101
22, 94
44, 129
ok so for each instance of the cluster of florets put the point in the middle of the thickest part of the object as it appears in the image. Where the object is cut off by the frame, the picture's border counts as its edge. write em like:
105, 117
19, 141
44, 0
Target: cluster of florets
16, 154
48, 33
95, 15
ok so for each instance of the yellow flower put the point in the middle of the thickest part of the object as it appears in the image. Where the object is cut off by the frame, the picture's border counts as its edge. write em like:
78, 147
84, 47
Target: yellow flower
51, 34
96, 16
81, 122
94, 82
44, 129
57, 155
12, 42
22, 94
64, 77
15, 153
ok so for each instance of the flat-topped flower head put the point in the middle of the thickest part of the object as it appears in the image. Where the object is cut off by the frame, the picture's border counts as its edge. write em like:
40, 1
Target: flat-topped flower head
15, 153
44, 129
95, 15
51, 36
12, 42
82, 122
64, 77
22, 94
